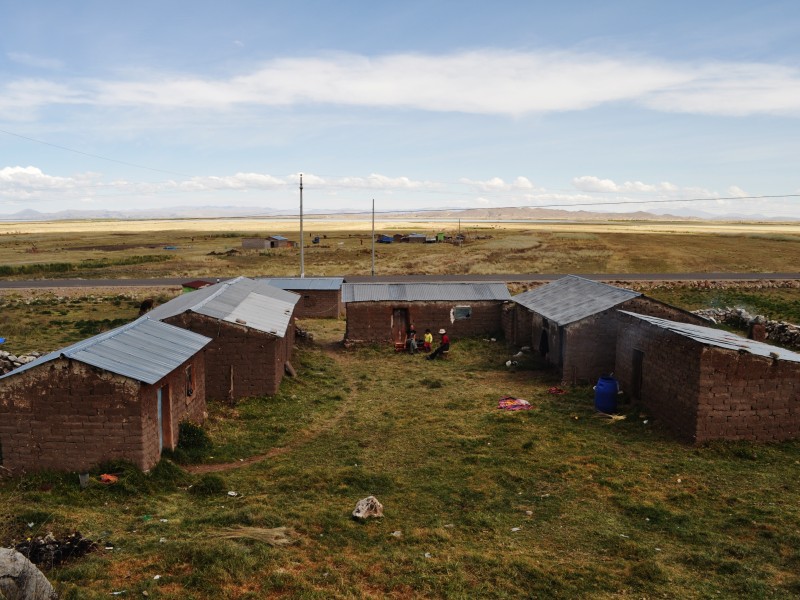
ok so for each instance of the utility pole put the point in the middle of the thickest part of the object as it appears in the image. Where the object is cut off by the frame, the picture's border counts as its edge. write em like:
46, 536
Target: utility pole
373, 237
302, 239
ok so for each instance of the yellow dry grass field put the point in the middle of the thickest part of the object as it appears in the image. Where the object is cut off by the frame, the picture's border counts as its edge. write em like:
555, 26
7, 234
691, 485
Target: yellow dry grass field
213, 248
315, 224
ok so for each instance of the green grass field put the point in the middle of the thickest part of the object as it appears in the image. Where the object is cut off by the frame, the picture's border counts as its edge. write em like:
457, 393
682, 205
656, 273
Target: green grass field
550, 503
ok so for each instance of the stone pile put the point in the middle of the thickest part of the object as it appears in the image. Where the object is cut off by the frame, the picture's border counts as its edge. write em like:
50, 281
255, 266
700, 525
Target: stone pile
9, 362
778, 332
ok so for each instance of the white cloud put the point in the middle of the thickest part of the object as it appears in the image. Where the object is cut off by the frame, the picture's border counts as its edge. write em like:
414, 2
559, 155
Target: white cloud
493, 82
590, 183
496, 184
737, 192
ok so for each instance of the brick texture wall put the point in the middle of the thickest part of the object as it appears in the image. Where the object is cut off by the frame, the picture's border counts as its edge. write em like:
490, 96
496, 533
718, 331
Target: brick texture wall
65, 415
240, 361
670, 374
704, 393
518, 325
318, 304
589, 345
371, 321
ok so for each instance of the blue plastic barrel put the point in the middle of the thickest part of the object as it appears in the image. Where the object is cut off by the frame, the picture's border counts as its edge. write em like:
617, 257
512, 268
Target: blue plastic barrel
605, 395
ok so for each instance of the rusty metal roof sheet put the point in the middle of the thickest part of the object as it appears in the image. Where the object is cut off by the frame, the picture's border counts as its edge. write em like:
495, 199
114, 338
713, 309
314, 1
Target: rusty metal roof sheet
573, 298
719, 338
424, 292
304, 283
254, 304
145, 350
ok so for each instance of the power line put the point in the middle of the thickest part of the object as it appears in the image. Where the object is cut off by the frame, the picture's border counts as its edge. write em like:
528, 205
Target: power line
106, 158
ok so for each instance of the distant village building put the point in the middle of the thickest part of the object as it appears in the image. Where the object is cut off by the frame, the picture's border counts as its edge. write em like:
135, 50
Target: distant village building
117, 395
573, 322
191, 286
320, 297
706, 384
273, 241
381, 312
251, 324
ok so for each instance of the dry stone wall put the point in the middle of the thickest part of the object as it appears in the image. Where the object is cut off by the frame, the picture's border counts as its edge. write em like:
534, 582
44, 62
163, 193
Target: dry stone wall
9, 361
778, 332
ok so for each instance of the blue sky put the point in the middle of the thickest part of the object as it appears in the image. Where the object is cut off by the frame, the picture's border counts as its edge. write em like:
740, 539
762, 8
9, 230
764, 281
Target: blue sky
415, 104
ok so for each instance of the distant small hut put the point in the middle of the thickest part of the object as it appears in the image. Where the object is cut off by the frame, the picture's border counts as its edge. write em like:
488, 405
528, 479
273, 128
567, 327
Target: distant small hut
273, 241
117, 395
197, 284
416, 238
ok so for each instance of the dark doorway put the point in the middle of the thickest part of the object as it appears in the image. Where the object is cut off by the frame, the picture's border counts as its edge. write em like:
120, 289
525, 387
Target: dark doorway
399, 324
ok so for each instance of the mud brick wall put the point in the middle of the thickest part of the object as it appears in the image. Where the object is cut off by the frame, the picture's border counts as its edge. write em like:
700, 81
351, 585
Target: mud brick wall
176, 406
372, 321
68, 416
670, 375
648, 306
590, 344
240, 361
317, 304
518, 325
704, 393
590, 347
747, 397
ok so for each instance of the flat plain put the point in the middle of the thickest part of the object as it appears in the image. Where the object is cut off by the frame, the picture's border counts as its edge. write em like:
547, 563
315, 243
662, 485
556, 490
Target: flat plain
204, 248
553, 502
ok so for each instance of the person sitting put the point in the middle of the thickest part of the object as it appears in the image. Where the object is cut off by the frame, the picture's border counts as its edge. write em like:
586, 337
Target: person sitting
443, 347
411, 339
427, 341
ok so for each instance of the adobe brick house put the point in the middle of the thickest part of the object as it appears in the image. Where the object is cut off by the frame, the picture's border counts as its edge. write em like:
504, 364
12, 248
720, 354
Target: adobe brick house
251, 324
272, 241
704, 384
573, 322
381, 312
117, 395
320, 297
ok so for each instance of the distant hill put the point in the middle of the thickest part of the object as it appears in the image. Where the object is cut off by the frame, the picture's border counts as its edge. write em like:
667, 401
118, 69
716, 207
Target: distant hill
488, 214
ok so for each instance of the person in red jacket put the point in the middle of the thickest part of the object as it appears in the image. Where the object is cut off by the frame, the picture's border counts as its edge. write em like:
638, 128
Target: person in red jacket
444, 345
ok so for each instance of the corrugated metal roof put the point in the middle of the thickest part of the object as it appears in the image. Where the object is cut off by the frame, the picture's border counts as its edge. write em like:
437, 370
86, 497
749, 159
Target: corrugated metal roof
719, 338
261, 306
145, 350
573, 298
430, 292
304, 283
278, 237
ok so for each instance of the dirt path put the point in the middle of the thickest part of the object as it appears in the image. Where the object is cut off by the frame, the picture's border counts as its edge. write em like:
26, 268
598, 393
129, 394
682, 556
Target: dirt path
333, 350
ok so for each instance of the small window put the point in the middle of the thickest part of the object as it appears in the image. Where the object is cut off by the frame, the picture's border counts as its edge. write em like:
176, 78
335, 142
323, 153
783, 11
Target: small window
189, 381
462, 312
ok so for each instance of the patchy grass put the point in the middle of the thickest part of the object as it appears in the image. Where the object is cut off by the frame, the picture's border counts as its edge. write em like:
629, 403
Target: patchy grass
550, 502
47, 322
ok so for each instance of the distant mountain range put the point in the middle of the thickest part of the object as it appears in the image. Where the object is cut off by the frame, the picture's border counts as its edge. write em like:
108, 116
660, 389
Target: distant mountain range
488, 214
